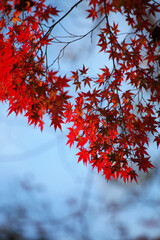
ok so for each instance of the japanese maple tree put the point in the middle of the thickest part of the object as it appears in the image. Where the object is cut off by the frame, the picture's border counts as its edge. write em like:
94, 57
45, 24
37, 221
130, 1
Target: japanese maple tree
111, 117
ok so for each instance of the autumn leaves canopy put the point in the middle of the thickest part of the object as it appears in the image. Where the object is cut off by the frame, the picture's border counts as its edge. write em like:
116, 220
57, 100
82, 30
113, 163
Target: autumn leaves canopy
112, 114
22, 5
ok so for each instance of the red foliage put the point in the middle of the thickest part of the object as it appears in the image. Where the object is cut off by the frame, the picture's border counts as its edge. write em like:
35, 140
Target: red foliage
109, 125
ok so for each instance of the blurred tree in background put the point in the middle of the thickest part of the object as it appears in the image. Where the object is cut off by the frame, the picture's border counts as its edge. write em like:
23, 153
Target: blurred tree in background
104, 216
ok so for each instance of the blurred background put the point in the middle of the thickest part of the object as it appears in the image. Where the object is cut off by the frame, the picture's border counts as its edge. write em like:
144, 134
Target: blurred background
44, 193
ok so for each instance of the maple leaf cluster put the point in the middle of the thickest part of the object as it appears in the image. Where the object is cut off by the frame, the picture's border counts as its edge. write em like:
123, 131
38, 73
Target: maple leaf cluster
110, 124
25, 83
